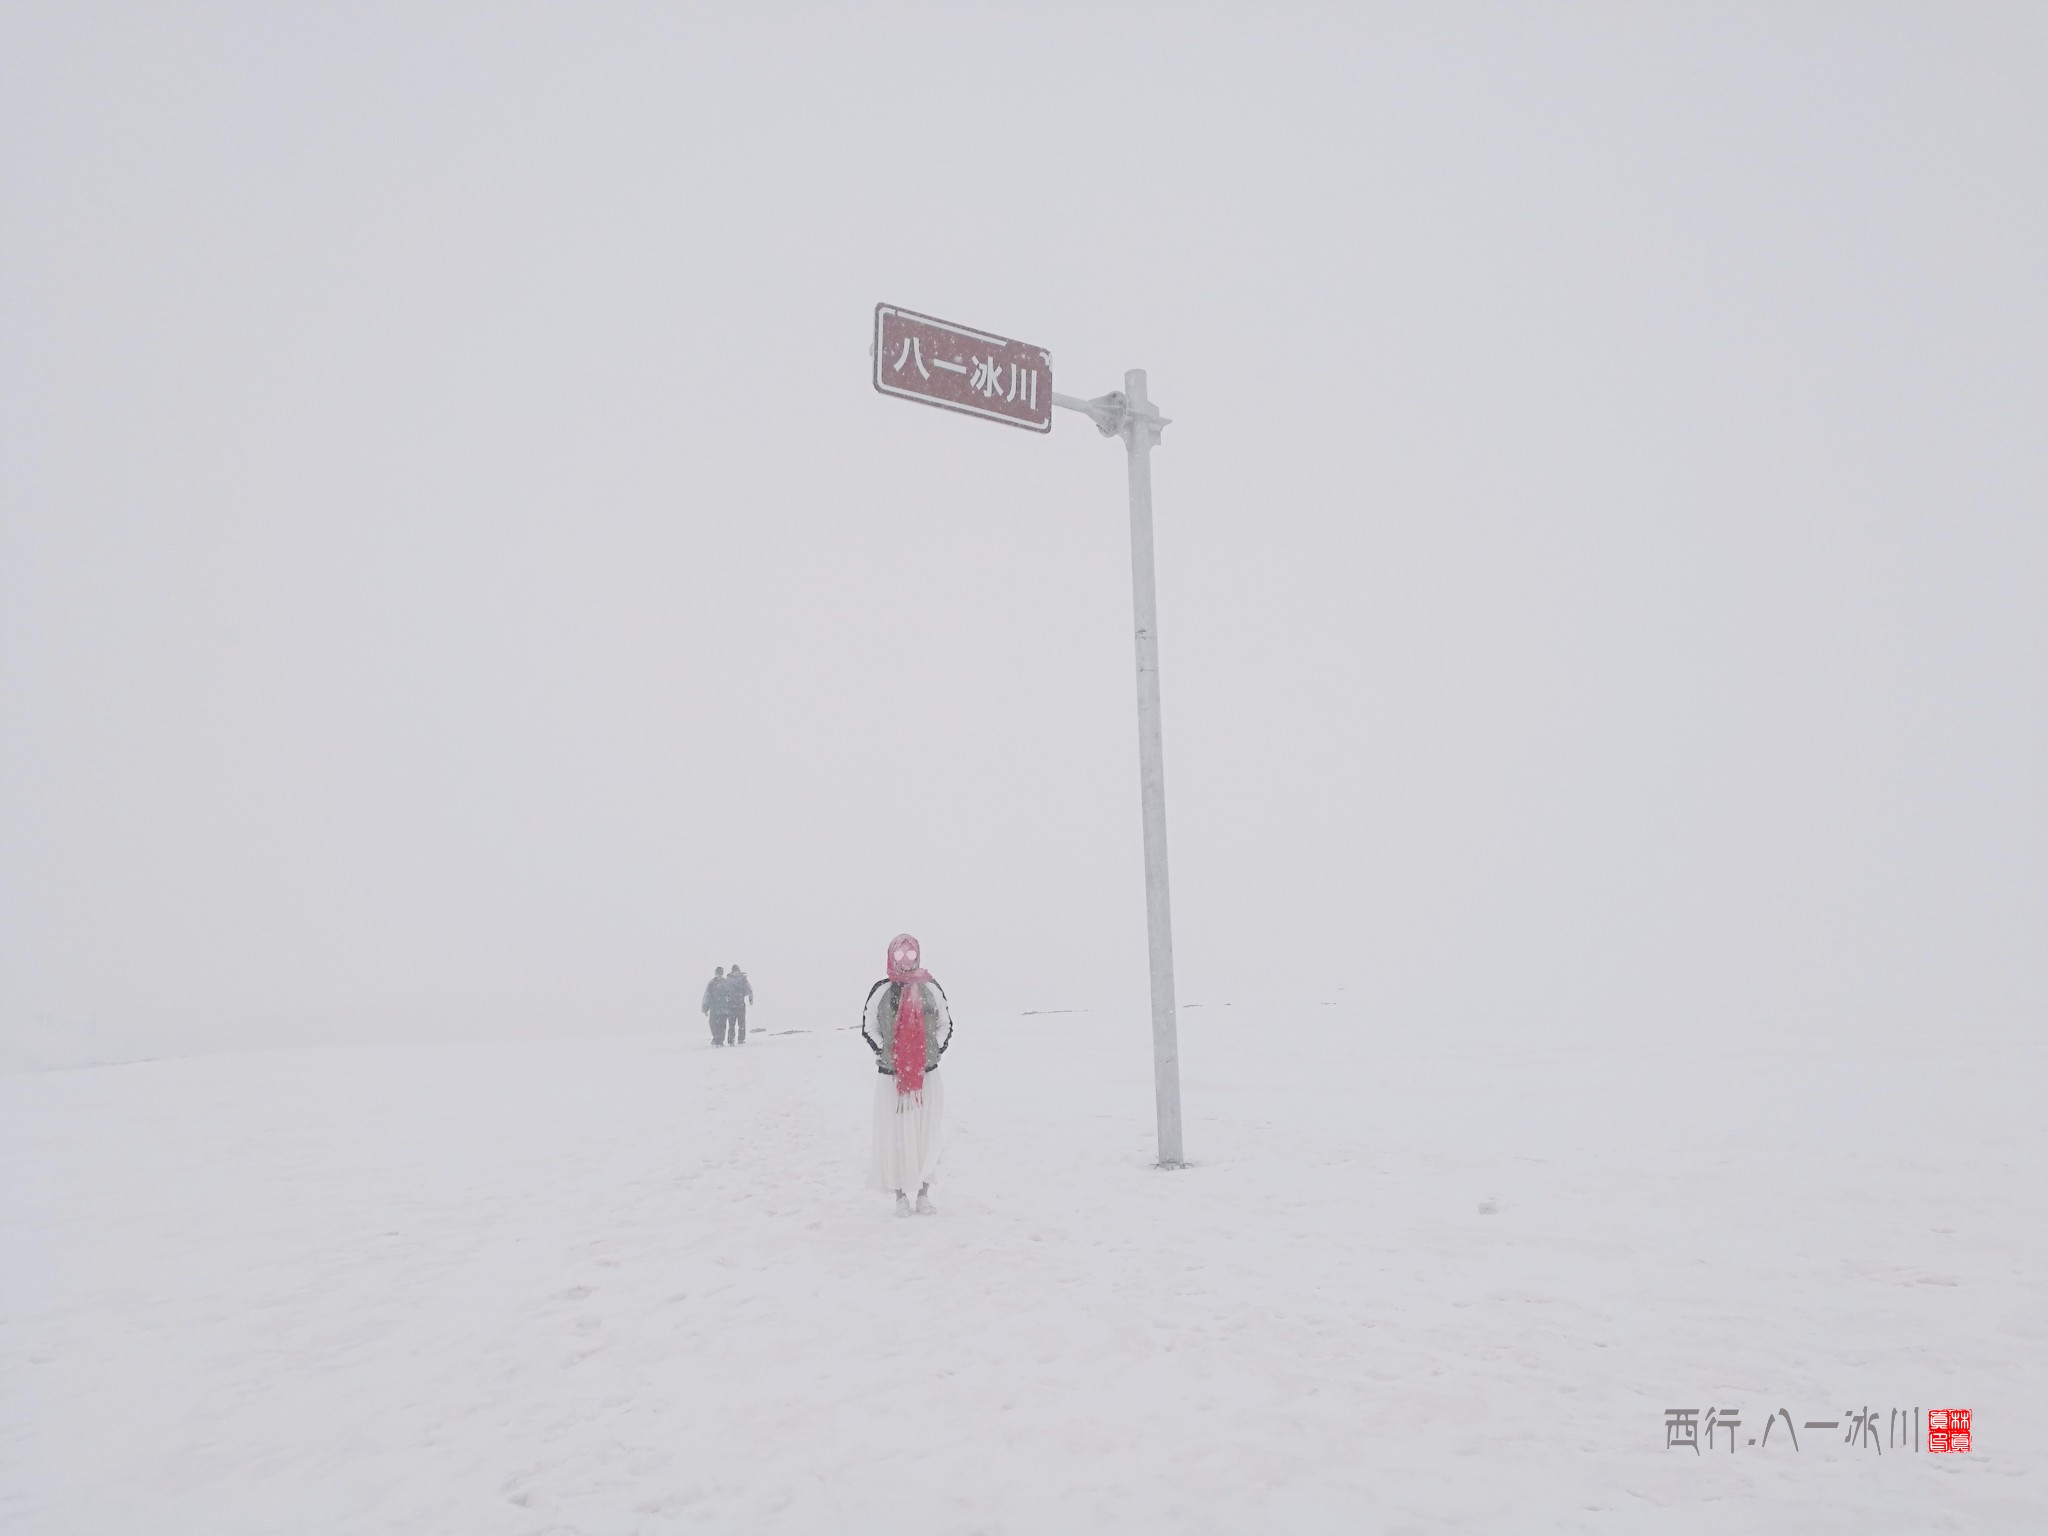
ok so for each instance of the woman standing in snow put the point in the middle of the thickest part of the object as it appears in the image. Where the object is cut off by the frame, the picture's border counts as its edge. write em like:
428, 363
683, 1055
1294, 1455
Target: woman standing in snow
908, 1027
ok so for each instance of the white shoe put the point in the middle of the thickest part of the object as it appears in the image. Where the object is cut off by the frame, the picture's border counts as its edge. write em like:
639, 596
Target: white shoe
903, 1205
925, 1206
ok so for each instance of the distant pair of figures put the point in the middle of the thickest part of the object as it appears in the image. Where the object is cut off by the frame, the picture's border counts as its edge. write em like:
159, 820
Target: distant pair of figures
725, 1005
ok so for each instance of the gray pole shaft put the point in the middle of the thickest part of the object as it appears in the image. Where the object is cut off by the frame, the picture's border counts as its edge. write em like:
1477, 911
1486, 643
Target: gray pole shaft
1139, 438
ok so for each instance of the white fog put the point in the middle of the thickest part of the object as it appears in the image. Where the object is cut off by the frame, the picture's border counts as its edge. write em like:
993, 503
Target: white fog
459, 587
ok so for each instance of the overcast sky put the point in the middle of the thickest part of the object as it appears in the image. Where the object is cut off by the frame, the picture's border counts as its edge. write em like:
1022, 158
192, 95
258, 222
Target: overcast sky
457, 578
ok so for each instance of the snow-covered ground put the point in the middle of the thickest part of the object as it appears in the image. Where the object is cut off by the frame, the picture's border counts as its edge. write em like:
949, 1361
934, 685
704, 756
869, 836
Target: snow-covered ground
635, 1285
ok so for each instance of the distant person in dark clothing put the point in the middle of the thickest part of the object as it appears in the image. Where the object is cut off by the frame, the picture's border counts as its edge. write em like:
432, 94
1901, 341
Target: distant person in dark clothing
738, 993
715, 1007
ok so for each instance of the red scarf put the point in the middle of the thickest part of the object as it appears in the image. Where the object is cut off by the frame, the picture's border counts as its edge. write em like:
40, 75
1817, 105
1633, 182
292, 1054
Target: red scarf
908, 1053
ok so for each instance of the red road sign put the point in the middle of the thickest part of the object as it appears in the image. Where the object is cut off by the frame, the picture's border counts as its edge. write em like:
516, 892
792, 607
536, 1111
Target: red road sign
948, 365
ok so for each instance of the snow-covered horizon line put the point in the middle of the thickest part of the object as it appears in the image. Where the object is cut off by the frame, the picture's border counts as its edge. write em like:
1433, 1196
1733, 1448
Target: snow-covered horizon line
32, 1051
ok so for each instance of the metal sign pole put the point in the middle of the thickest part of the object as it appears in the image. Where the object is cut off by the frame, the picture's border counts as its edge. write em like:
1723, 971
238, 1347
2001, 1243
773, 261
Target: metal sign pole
1131, 416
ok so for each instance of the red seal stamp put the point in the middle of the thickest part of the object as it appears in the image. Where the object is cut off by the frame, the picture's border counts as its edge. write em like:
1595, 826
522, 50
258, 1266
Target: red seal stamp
1948, 1429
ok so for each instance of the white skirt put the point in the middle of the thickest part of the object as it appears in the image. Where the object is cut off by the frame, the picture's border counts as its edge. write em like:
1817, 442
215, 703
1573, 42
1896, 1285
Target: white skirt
907, 1126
